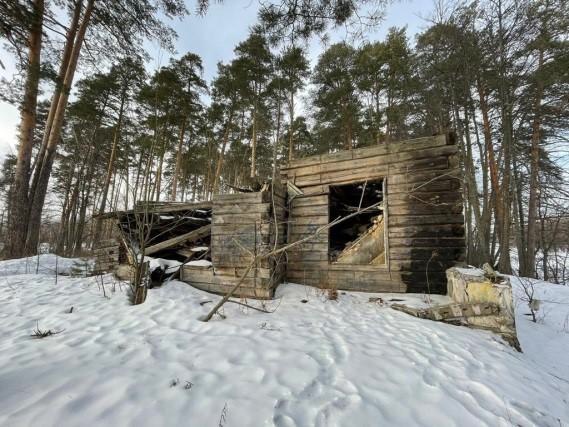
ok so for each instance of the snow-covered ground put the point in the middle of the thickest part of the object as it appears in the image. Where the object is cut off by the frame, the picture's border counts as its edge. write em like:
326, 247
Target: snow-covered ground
316, 363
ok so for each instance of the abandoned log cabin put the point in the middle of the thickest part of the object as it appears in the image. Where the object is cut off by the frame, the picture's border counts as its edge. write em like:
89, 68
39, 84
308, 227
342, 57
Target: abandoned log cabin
405, 225
406, 244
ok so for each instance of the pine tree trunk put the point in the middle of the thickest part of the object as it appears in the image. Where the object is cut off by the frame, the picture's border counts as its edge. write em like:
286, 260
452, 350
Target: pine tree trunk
110, 169
178, 160
217, 175
66, 57
291, 128
492, 163
254, 143
534, 178
19, 204
43, 173
277, 137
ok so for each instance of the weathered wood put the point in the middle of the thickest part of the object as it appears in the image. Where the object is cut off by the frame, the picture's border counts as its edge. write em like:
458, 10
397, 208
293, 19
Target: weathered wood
235, 208
327, 173
412, 220
192, 236
366, 248
301, 201
240, 218
412, 145
449, 312
256, 197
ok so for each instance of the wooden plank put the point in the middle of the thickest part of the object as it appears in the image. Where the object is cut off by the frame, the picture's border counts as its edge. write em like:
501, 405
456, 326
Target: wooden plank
417, 209
432, 231
421, 177
428, 198
311, 246
415, 254
404, 220
439, 185
303, 257
307, 229
320, 210
300, 201
411, 145
371, 269
427, 242
308, 265
241, 208
251, 282
256, 197
232, 260
318, 220
187, 237
264, 273
397, 159
196, 275
240, 218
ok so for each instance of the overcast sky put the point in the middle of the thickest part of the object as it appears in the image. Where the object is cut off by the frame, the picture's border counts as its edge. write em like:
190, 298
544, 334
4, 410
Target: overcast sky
214, 36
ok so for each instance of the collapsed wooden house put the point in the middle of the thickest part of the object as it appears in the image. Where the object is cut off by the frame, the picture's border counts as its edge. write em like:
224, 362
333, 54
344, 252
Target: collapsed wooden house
405, 225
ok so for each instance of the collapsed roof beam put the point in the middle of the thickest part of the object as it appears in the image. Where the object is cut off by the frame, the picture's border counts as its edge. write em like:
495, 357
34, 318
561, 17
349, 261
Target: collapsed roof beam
192, 236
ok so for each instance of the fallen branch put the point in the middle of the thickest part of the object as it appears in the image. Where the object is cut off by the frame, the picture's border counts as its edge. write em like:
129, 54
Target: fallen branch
250, 306
38, 333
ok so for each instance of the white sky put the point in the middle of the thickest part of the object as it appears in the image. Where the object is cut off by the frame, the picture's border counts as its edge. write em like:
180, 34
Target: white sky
214, 37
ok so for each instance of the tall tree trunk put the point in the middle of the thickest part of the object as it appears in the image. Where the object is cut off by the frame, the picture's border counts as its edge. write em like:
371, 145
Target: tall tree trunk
254, 143
497, 196
222, 153
19, 205
277, 137
66, 57
110, 168
534, 177
179, 157
44, 172
291, 128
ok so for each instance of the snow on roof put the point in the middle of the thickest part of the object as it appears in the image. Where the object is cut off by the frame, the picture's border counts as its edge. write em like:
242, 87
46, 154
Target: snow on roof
199, 263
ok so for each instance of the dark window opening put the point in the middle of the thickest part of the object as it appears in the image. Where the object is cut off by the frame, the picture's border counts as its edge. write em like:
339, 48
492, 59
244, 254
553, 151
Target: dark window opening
360, 239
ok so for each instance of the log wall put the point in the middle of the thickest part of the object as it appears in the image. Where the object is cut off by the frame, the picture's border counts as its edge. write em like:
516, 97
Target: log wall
423, 207
243, 225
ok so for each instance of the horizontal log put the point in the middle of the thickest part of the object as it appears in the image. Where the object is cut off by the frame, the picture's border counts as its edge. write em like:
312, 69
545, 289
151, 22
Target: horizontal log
415, 254
256, 197
432, 231
430, 242
240, 208
233, 260
240, 218
425, 198
264, 273
416, 209
314, 210
307, 256
196, 275
438, 185
192, 236
305, 229
414, 220
325, 173
308, 265
301, 201
318, 220
311, 246
381, 150
252, 281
